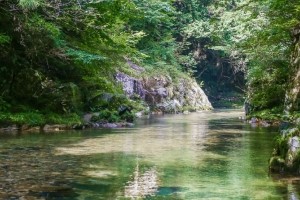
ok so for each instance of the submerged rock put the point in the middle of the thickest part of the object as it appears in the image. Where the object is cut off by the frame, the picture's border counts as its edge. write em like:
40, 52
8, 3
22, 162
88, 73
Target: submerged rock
110, 125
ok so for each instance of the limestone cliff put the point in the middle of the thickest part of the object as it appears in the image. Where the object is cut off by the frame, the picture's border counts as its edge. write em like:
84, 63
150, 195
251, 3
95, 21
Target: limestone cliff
172, 96
162, 92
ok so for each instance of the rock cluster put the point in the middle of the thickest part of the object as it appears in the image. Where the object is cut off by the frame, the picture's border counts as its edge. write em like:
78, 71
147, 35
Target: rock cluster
286, 155
258, 122
110, 125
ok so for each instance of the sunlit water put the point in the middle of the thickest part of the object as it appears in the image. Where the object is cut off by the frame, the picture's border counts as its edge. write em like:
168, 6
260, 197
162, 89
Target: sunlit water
207, 155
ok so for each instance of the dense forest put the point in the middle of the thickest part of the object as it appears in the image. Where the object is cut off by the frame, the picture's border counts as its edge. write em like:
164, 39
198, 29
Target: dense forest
59, 58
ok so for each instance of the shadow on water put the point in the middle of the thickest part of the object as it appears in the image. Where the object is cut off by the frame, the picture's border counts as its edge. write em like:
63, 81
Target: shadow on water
207, 155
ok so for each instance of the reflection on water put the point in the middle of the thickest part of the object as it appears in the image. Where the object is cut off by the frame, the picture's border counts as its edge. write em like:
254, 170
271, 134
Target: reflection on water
142, 185
207, 155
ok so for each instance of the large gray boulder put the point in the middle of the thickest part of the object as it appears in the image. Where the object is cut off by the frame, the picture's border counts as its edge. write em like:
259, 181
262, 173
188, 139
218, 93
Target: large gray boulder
165, 94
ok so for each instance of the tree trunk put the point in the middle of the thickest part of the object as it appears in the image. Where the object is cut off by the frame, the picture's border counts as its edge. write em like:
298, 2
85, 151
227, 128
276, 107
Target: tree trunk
293, 92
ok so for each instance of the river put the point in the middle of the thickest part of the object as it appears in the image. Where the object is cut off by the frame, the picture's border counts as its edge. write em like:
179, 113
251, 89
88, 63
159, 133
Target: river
205, 155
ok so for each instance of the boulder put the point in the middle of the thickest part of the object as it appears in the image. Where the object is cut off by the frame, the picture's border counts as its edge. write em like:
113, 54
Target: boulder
110, 125
265, 123
55, 127
27, 128
253, 120
286, 155
186, 112
294, 144
87, 117
162, 92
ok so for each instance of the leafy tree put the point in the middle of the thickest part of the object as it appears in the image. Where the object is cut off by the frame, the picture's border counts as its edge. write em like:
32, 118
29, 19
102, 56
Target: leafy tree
57, 56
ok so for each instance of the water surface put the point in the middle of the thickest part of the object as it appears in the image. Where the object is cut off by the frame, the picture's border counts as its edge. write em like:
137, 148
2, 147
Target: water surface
206, 155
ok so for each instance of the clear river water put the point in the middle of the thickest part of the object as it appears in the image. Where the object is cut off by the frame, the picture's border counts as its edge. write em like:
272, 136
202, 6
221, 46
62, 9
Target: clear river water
205, 155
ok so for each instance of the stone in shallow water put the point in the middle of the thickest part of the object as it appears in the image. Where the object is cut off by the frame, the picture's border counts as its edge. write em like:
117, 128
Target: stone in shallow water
49, 191
168, 190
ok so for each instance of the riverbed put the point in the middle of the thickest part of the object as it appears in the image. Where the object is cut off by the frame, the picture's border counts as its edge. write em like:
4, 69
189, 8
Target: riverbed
204, 155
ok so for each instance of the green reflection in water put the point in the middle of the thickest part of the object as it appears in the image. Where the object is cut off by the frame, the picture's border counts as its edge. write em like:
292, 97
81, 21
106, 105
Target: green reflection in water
207, 155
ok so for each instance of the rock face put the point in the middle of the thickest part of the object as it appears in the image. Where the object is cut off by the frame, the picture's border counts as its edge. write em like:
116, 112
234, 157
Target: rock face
163, 93
170, 96
131, 86
293, 151
286, 157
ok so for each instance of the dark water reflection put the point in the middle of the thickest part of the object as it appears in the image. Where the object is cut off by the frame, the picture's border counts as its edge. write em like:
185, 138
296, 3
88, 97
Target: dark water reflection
208, 155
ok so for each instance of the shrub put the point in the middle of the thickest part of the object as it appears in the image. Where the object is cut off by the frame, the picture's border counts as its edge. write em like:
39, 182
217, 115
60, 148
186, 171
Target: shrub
68, 119
106, 116
29, 118
128, 116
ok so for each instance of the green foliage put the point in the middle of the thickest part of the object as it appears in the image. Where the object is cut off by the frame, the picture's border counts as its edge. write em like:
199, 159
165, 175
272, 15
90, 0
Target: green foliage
267, 84
282, 142
29, 4
255, 37
4, 106
35, 118
4, 39
282, 155
166, 70
59, 58
156, 21
83, 56
281, 147
273, 114
106, 116
32, 118
128, 116
109, 101
294, 116
68, 119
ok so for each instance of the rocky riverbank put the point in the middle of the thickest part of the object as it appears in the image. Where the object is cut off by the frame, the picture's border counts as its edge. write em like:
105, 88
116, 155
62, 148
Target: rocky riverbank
144, 93
286, 155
